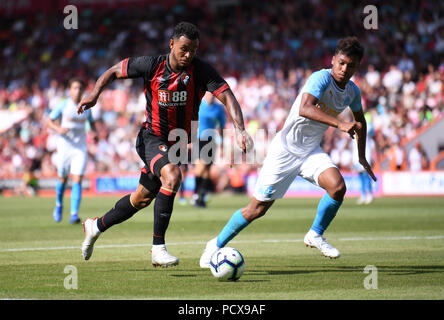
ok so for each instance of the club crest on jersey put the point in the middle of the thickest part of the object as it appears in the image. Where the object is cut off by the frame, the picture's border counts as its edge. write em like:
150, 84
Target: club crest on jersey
185, 78
163, 148
267, 191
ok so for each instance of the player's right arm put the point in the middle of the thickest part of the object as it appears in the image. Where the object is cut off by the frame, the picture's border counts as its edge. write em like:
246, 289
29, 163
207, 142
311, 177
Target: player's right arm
55, 114
308, 109
118, 71
55, 126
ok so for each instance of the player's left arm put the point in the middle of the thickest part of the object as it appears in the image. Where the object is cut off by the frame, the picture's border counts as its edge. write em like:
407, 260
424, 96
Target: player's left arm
361, 137
234, 113
214, 83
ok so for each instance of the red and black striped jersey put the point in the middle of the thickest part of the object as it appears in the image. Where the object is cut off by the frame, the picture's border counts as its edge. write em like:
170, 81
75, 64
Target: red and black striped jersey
173, 99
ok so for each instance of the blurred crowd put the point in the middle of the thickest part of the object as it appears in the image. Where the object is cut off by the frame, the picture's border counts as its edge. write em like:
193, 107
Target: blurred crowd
265, 50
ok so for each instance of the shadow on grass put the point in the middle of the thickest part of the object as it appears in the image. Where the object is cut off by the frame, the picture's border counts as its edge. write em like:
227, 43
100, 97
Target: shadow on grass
384, 269
294, 270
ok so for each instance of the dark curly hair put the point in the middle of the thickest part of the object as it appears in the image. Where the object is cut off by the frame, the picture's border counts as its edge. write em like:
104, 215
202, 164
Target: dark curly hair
351, 47
186, 29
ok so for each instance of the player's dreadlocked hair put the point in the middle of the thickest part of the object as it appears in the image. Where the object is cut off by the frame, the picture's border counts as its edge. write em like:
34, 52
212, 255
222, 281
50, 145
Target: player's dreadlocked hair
186, 29
351, 47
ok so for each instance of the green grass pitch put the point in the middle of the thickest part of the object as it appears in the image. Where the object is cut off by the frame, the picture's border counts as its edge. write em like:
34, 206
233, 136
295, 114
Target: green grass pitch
402, 237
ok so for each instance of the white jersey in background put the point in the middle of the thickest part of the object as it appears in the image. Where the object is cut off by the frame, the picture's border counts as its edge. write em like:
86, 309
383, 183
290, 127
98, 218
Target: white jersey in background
301, 135
71, 147
76, 135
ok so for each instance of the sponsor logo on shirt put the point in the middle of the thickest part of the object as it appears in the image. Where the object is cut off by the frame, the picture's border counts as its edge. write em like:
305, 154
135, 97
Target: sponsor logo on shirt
172, 98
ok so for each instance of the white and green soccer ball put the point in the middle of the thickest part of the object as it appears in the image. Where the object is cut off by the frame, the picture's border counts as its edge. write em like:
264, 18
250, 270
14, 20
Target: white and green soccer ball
227, 264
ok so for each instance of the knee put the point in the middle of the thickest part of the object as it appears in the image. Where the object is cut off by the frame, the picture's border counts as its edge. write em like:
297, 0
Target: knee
77, 179
139, 202
338, 191
255, 211
171, 177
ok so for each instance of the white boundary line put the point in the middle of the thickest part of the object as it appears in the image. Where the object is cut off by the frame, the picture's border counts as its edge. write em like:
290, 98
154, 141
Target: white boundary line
401, 238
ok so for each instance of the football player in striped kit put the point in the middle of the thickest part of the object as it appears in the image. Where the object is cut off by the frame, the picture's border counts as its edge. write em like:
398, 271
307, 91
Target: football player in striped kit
175, 84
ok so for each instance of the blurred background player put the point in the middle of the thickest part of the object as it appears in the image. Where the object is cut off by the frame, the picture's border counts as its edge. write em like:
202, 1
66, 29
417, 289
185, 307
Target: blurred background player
71, 147
175, 84
366, 189
211, 116
296, 151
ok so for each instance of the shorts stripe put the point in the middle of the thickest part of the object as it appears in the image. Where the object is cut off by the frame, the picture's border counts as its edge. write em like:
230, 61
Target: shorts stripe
154, 160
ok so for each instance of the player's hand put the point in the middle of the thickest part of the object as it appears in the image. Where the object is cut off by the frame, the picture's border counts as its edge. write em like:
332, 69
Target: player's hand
63, 131
367, 168
350, 127
86, 103
244, 140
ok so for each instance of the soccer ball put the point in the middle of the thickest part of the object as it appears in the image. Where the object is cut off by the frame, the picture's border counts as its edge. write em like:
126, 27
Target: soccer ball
227, 264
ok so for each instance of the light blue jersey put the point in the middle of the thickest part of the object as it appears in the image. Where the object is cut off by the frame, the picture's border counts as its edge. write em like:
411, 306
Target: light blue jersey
67, 111
301, 135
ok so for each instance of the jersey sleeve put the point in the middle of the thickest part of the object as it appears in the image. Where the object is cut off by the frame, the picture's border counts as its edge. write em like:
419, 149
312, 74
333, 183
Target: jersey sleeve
57, 111
356, 104
211, 80
136, 67
317, 83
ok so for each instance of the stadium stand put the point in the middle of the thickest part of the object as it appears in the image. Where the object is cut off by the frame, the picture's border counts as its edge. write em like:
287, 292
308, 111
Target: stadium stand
265, 50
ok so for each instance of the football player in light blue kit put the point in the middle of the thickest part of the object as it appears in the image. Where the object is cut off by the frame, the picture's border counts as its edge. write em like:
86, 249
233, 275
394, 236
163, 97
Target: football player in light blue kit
295, 150
71, 147
211, 117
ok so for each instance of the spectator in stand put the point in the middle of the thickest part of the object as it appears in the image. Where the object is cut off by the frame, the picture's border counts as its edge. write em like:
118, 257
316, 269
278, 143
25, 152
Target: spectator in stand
418, 158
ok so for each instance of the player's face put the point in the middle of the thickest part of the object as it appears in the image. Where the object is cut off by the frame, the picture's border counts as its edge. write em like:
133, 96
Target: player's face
183, 51
343, 67
76, 91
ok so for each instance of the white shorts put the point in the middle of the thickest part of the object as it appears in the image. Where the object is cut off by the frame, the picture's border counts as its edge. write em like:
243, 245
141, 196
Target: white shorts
71, 160
281, 167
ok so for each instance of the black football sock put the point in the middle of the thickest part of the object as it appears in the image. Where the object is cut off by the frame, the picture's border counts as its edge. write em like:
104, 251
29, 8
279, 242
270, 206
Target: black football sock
122, 210
205, 187
198, 185
163, 207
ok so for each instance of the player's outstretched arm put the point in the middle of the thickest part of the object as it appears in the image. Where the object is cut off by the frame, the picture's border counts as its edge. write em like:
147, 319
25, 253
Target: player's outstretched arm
234, 112
115, 72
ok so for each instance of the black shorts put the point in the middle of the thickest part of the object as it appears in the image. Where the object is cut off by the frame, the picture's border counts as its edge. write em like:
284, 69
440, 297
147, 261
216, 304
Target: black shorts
153, 150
